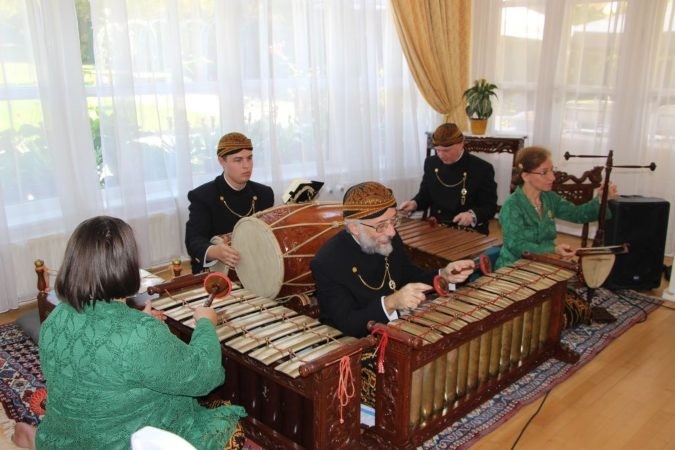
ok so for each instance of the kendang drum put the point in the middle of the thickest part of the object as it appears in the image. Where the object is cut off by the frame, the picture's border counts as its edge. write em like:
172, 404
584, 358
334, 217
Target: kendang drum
276, 246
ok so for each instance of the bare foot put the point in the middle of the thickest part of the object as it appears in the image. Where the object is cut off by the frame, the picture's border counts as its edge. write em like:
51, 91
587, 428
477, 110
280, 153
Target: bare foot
24, 435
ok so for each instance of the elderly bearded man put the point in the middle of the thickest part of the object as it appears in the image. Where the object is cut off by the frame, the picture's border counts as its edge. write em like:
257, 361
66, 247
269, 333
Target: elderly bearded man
363, 273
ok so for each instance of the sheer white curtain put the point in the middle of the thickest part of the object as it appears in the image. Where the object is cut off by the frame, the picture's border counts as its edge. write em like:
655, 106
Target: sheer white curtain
586, 76
48, 180
120, 112
320, 87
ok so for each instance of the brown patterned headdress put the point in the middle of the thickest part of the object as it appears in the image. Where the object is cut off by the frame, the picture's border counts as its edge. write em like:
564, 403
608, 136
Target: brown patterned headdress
367, 200
446, 135
232, 143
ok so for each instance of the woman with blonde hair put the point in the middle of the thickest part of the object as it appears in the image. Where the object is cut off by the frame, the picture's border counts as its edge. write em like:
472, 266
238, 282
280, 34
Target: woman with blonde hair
528, 216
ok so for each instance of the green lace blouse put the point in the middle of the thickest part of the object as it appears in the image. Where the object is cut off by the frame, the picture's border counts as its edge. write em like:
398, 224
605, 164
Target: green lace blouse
523, 229
112, 370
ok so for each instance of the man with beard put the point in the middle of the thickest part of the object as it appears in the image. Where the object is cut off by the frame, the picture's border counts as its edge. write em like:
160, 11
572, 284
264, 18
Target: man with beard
216, 206
363, 272
459, 188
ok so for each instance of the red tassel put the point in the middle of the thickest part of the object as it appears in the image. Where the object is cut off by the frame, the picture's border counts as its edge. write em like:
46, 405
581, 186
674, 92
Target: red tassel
345, 389
381, 347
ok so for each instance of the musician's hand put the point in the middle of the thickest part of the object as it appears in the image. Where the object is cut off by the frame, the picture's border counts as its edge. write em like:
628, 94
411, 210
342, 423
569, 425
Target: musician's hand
612, 194
409, 296
224, 253
208, 313
408, 207
464, 219
564, 250
458, 271
153, 312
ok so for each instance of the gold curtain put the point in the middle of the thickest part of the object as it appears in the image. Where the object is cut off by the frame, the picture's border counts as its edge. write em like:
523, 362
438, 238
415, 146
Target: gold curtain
436, 37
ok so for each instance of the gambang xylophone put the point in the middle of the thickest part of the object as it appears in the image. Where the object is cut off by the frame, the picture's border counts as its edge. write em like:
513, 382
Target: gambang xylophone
284, 367
432, 246
453, 353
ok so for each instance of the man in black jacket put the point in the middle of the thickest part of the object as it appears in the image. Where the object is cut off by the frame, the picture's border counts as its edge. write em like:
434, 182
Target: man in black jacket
459, 187
216, 206
363, 273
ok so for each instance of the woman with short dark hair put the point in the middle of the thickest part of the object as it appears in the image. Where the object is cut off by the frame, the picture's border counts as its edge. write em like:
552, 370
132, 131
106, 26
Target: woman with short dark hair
100, 263
111, 369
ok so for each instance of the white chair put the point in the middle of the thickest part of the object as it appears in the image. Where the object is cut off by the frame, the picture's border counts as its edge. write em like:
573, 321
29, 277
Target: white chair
151, 438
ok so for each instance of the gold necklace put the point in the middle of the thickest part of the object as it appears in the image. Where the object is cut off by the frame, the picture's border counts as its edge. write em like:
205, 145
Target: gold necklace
392, 283
251, 210
462, 182
537, 205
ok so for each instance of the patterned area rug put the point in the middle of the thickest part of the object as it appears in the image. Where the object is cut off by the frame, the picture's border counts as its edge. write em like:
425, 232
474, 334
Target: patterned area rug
21, 381
629, 308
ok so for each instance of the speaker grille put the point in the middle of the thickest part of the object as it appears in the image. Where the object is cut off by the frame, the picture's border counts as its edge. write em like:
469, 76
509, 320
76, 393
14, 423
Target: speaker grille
642, 222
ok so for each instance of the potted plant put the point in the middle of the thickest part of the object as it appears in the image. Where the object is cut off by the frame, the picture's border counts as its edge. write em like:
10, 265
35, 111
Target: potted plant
479, 104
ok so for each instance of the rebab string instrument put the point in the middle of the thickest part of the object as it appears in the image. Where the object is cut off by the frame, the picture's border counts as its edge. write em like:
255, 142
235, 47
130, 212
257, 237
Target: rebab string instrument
598, 260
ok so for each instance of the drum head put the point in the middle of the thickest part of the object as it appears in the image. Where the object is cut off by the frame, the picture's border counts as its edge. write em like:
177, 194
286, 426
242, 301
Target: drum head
261, 263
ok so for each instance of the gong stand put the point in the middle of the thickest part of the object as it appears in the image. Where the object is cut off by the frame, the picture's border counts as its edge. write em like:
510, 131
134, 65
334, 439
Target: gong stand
596, 270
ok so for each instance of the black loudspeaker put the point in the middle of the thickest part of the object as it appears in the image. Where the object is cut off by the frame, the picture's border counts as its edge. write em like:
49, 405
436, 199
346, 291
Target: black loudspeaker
642, 222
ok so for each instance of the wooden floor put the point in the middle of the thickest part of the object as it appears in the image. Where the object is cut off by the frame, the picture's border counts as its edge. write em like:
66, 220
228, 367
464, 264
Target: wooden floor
11, 316
623, 399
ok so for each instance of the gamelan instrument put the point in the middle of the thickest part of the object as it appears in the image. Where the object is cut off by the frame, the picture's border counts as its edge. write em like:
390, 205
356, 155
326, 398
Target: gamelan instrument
453, 353
597, 262
593, 267
287, 369
276, 246
599, 239
432, 246
596, 265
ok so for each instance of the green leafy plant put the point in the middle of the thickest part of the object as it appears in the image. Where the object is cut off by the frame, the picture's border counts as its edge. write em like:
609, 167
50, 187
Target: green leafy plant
478, 99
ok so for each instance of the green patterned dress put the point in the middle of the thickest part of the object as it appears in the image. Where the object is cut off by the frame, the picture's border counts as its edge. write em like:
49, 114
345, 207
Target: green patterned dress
112, 370
523, 229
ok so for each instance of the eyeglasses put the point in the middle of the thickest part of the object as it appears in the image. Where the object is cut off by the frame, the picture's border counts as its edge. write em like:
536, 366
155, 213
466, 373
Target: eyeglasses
544, 172
381, 227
